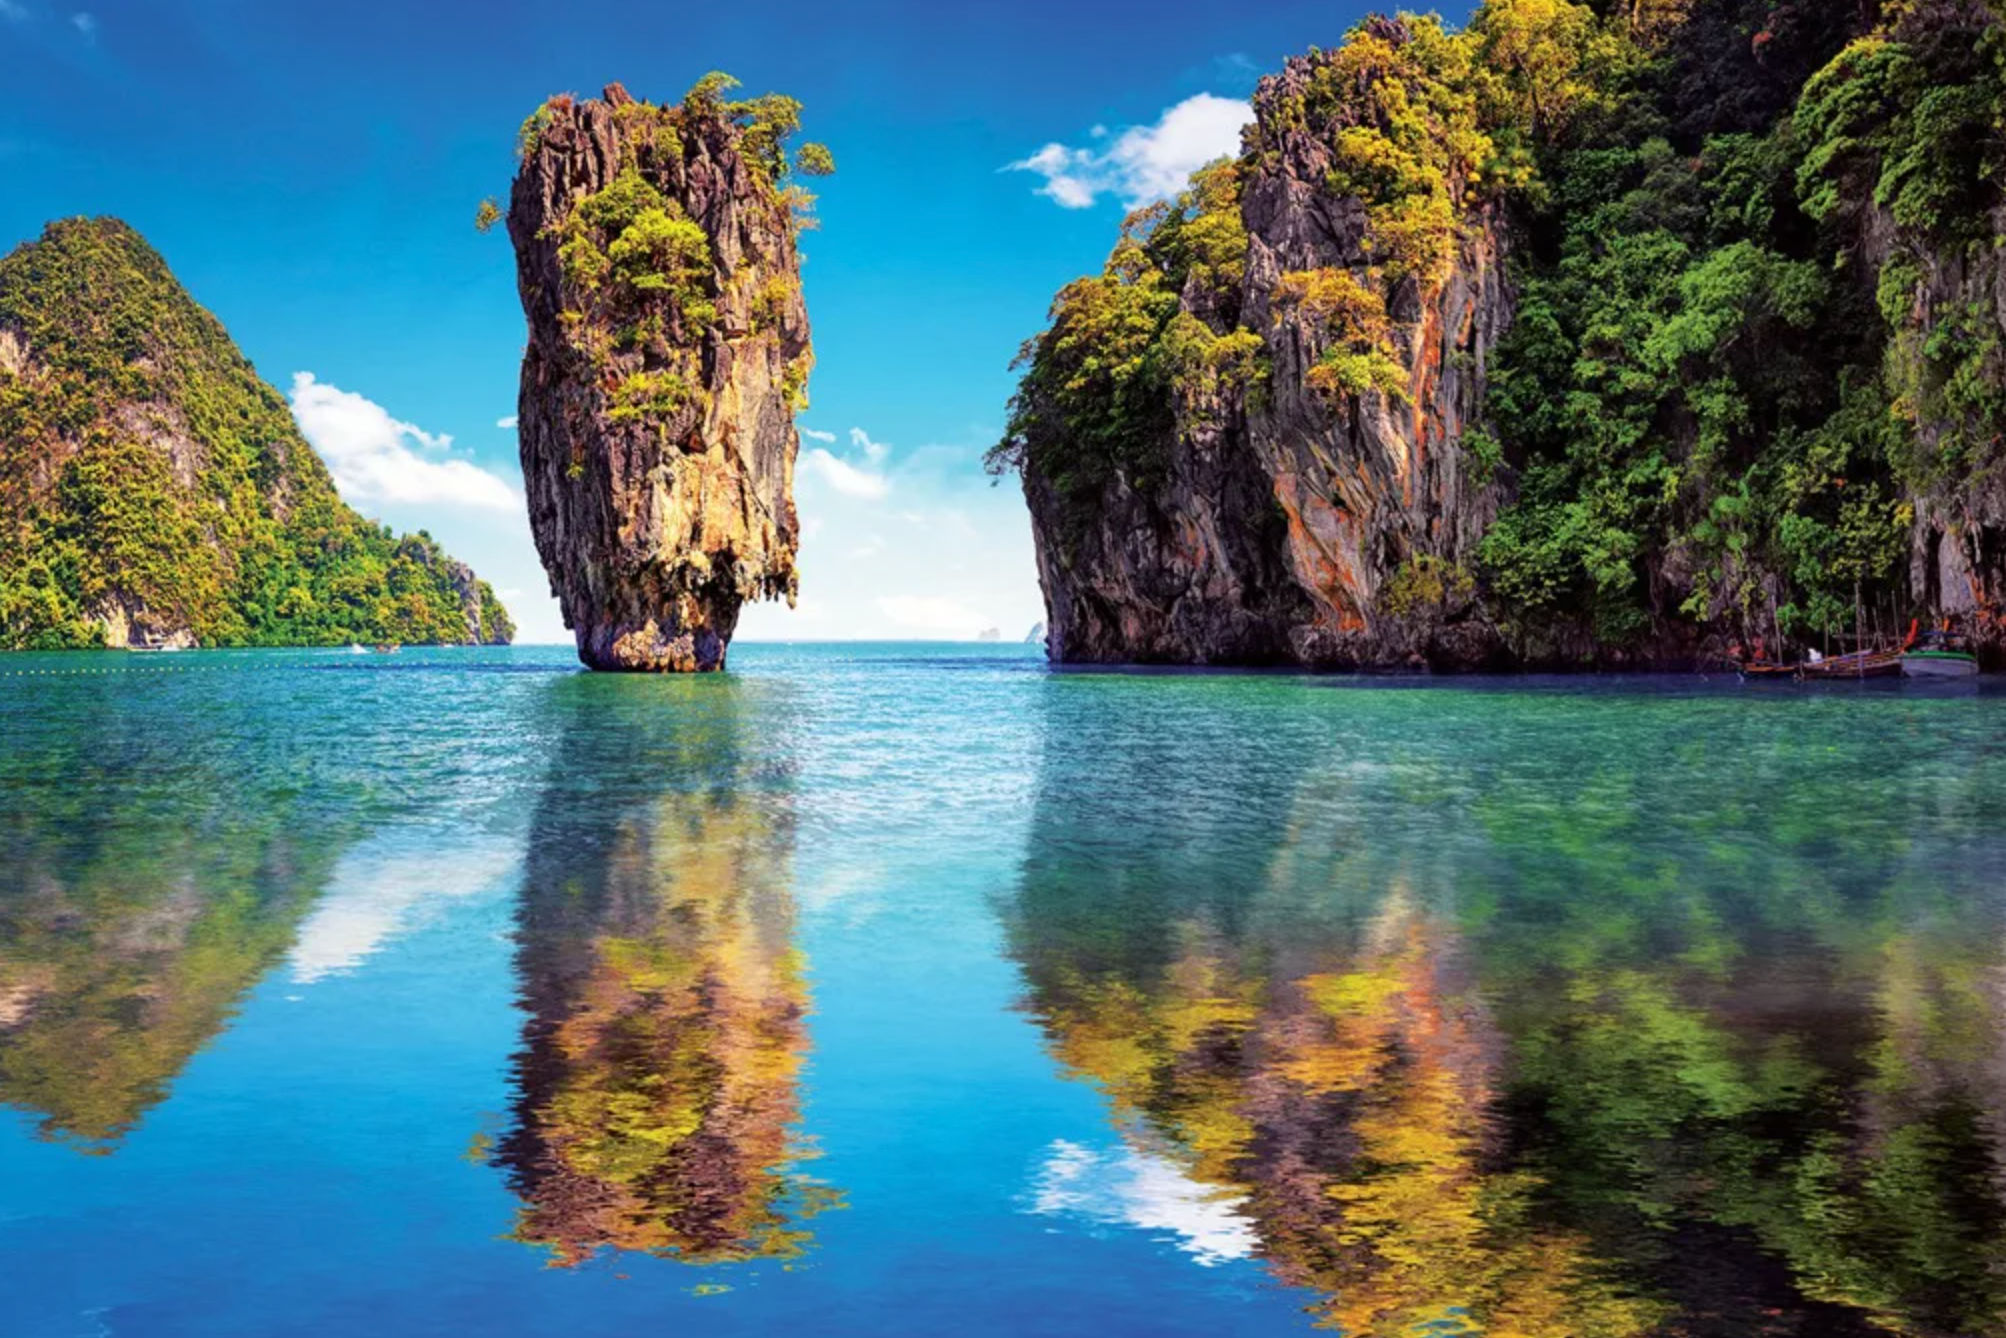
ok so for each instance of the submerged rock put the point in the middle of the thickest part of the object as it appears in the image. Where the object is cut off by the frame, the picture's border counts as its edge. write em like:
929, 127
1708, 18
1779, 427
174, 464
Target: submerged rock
668, 352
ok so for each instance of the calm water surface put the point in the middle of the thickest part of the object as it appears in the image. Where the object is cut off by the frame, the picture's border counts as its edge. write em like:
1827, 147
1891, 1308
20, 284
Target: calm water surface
921, 991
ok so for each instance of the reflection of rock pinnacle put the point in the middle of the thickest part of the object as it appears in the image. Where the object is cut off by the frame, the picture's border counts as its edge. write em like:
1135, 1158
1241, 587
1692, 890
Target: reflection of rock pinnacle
658, 1089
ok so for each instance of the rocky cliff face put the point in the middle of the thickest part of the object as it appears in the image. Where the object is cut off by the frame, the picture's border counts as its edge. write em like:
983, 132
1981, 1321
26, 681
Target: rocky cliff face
668, 351
1941, 278
1307, 497
155, 492
1588, 335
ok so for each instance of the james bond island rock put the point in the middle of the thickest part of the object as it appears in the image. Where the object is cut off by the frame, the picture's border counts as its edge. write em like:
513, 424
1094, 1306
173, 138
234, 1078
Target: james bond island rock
668, 353
1618, 334
155, 492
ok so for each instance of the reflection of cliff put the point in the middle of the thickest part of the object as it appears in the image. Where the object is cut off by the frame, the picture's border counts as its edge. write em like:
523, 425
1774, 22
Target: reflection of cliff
1347, 1112
1523, 1067
658, 1087
1761, 1073
144, 887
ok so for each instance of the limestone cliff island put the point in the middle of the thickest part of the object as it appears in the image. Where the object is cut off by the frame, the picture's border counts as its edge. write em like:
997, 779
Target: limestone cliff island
1619, 333
156, 492
668, 353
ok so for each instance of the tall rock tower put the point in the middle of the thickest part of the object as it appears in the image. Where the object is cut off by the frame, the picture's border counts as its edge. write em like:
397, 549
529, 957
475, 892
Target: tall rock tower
667, 355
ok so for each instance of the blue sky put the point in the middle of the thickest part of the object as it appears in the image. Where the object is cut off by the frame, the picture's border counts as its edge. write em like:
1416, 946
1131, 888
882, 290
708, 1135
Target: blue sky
311, 172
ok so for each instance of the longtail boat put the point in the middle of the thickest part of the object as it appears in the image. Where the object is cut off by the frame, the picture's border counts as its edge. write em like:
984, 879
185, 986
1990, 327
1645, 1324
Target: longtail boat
1940, 654
1768, 671
1878, 662
1859, 664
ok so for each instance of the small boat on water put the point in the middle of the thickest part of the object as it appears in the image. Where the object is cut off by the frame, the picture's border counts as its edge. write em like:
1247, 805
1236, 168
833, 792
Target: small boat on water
388, 648
1876, 662
1768, 671
1859, 664
1940, 654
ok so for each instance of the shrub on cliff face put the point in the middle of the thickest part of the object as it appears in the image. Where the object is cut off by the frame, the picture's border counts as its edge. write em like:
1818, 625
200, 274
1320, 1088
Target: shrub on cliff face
657, 261
1096, 400
1748, 241
1906, 120
641, 271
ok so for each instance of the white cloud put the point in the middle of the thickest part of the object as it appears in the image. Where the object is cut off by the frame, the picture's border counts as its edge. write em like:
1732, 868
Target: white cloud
932, 613
845, 477
86, 24
1145, 1189
506, 424
874, 451
953, 550
12, 12
376, 459
813, 435
1142, 163
852, 479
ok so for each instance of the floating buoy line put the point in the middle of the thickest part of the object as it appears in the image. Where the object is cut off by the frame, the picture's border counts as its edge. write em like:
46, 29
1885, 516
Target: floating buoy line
87, 670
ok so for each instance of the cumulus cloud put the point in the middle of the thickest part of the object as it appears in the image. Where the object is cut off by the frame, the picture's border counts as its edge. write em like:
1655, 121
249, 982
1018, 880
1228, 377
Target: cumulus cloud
813, 435
845, 477
377, 459
932, 613
506, 424
874, 451
850, 477
1145, 162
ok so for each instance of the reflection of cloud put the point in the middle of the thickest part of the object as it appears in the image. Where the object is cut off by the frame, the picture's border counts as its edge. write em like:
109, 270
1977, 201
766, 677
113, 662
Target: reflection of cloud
1129, 1186
381, 889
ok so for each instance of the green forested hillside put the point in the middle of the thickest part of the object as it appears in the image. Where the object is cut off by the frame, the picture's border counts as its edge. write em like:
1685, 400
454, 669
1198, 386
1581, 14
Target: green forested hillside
154, 489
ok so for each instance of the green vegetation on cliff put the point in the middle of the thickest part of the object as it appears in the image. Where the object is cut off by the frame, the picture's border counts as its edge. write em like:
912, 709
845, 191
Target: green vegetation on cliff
1754, 372
640, 272
1098, 389
153, 487
1716, 404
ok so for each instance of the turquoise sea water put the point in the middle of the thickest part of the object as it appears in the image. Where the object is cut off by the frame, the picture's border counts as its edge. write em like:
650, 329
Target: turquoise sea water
921, 991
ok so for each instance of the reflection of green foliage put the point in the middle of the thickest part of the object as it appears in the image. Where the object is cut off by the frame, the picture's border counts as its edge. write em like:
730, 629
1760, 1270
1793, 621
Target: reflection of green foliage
177, 485
659, 1082
1548, 995
153, 866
